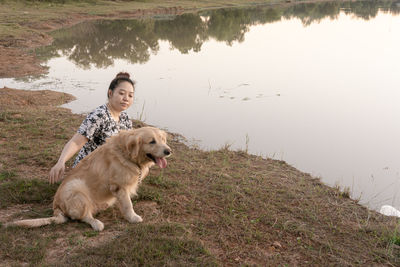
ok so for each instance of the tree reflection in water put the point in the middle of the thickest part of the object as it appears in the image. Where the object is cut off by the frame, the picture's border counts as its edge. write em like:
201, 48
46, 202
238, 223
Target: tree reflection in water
99, 43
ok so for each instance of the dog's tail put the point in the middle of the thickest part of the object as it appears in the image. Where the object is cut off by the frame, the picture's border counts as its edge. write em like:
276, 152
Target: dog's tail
58, 219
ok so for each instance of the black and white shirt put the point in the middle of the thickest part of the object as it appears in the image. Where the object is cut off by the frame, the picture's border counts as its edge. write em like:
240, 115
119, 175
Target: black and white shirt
98, 126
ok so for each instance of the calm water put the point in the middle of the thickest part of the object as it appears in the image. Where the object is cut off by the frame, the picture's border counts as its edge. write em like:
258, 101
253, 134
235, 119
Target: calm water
316, 85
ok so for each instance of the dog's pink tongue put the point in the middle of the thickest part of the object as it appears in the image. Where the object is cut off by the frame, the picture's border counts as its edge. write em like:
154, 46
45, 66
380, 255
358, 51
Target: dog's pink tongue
161, 162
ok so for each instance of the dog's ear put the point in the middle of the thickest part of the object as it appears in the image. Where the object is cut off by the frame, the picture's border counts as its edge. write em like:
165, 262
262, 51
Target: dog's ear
133, 145
164, 135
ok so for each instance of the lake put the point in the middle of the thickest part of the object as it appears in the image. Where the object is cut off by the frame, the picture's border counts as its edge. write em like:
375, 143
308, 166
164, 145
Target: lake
316, 85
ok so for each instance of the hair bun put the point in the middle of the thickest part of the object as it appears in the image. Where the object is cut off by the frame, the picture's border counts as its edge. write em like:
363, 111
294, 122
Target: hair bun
122, 75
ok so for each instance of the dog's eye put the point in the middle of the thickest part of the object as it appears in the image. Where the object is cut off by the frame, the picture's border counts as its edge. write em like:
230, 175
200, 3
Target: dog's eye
153, 142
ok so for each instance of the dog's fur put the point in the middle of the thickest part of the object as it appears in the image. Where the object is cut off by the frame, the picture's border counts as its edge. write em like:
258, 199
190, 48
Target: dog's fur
109, 174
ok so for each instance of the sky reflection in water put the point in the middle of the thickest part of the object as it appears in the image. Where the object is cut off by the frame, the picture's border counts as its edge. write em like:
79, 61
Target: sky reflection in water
315, 85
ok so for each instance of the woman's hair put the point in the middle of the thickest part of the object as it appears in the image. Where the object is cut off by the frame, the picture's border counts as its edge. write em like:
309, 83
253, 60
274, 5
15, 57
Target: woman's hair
121, 77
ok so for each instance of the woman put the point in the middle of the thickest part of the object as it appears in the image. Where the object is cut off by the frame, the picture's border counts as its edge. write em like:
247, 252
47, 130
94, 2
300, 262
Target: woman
105, 121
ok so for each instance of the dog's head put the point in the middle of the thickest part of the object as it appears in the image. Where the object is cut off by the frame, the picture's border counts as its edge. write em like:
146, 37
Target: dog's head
148, 144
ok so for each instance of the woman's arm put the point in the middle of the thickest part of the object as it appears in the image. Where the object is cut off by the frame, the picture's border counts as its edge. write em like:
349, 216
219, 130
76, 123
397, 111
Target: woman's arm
73, 146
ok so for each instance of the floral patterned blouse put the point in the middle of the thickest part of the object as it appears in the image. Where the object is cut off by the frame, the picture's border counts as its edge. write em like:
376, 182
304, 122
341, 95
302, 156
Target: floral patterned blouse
97, 127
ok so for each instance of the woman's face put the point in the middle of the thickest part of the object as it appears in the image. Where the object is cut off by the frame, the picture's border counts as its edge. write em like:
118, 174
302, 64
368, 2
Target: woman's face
122, 97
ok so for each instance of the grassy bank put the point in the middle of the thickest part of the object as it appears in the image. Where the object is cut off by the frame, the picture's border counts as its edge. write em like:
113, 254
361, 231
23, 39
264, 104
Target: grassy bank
207, 208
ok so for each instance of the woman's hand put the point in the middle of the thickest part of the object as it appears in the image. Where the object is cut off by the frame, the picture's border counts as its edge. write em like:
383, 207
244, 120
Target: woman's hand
56, 173
73, 146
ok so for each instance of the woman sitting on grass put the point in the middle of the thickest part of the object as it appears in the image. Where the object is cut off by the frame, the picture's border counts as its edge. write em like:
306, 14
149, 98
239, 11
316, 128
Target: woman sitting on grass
105, 121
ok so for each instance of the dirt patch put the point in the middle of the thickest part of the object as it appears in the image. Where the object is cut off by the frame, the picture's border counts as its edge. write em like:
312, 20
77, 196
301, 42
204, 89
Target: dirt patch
17, 57
149, 211
72, 241
8, 213
16, 62
12, 98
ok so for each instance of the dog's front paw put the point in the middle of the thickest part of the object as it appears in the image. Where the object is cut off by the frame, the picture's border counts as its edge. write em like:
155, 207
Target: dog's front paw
134, 218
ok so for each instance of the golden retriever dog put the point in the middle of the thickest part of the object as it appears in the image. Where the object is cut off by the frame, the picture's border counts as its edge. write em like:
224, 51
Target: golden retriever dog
109, 174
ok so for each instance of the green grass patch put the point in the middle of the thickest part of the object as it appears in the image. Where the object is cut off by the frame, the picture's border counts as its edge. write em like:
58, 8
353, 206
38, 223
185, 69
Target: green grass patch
146, 192
7, 175
160, 181
18, 191
91, 233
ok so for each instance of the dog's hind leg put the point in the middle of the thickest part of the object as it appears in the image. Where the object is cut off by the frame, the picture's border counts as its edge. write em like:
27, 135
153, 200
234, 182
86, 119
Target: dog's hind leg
59, 217
97, 225
80, 208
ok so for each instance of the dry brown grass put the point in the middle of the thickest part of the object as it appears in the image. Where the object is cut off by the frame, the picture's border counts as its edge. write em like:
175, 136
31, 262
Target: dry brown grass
207, 208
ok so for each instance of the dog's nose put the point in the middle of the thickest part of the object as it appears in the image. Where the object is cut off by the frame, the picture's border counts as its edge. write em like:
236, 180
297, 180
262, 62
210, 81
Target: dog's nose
167, 152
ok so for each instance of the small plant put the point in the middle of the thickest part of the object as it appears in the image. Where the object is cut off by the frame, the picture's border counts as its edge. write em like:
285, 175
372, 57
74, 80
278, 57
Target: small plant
396, 239
345, 193
6, 175
141, 115
247, 143
91, 233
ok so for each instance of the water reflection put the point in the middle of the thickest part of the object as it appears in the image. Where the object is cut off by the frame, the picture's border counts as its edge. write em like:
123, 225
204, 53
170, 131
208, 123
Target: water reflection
100, 43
